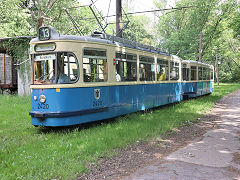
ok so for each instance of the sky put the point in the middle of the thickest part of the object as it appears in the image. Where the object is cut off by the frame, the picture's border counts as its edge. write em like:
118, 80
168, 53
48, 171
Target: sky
140, 5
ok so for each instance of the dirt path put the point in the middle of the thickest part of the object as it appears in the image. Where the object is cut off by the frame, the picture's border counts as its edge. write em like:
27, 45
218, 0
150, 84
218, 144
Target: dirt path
208, 149
215, 156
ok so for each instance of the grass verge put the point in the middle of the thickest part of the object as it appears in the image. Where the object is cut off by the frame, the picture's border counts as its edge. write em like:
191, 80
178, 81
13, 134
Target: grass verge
27, 152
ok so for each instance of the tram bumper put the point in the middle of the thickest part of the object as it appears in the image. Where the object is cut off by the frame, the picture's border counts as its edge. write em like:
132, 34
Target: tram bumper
38, 114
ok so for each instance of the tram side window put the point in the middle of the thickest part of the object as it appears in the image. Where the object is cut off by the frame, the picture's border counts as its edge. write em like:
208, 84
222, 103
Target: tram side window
126, 66
204, 74
208, 74
146, 68
185, 73
94, 65
162, 70
200, 73
174, 70
193, 73
70, 67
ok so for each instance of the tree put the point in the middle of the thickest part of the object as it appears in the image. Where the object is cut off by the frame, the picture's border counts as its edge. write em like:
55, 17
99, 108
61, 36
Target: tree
30, 14
180, 30
235, 25
137, 30
52, 12
13, 21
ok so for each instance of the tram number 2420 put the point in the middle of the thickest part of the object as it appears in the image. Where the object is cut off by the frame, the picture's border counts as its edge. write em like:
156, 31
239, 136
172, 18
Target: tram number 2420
43, 106
97, 103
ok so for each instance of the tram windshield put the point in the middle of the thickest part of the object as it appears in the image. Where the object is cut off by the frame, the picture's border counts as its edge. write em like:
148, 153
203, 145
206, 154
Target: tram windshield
58, 68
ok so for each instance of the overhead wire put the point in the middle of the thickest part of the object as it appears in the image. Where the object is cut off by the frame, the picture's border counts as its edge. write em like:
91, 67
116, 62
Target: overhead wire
108, 8
141, 12
105, 18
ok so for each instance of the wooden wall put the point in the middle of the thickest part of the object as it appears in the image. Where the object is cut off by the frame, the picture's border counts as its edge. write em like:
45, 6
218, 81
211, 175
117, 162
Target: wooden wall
8, 72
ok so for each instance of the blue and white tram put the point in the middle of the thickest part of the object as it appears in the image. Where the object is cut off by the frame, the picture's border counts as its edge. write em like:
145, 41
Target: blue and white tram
79, 79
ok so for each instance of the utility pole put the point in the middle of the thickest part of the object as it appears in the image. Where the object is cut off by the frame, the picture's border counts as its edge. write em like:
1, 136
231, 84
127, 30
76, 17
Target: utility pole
216, 70
119, 18
200, 47
40, 22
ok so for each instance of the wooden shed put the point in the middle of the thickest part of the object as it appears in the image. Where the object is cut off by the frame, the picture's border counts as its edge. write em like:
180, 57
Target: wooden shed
9, 74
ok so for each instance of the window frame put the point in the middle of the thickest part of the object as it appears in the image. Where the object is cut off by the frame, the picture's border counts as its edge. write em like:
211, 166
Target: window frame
162, 62
200, 72
195, 70
185, 72
96, 58
175, 67
125, 59
150, 61
33, 56
211, 74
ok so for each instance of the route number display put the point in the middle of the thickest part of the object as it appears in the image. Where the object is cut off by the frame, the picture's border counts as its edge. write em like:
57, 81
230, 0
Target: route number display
44, 33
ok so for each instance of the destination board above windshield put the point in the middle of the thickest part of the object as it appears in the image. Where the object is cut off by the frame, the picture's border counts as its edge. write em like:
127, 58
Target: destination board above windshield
45, 47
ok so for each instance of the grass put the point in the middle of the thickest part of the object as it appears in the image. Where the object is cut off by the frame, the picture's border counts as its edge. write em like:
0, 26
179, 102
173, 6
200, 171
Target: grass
27, 152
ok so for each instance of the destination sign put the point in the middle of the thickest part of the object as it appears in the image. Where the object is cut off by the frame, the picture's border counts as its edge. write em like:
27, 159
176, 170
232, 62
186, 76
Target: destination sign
45, 47
45, 57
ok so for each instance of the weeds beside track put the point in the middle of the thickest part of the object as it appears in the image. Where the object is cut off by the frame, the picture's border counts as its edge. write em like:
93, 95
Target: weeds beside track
27, 152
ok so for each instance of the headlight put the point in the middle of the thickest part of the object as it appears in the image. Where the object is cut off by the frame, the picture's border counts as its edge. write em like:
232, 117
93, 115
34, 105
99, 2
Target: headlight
42, 99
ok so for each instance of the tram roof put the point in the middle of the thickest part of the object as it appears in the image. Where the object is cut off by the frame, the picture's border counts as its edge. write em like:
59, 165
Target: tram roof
105, 39
99, 37
195, 62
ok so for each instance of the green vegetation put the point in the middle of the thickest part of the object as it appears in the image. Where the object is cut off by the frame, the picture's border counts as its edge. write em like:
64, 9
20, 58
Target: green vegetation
30, 14
27, 152
216, 21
